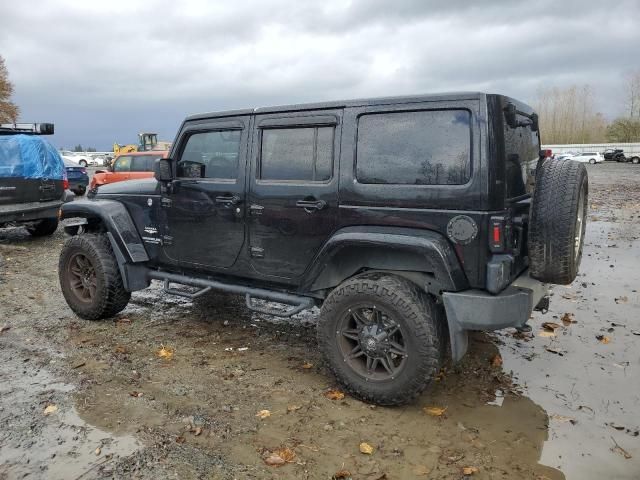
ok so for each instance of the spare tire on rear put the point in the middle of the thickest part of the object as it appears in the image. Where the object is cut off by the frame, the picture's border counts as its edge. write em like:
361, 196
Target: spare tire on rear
557, 221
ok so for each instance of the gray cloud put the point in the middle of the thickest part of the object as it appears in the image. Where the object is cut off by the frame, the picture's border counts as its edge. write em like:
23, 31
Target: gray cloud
105, 71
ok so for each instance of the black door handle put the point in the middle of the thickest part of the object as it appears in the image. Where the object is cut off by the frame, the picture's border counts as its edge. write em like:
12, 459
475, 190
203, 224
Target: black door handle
310, 205
228, 199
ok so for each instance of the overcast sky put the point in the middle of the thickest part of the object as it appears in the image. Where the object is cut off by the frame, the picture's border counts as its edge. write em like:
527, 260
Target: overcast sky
104, 71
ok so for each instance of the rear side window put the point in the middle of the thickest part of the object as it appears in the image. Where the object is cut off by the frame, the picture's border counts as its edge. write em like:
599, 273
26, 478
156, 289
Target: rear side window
430, 147
522, 148
211, 155
143, 163
303, 154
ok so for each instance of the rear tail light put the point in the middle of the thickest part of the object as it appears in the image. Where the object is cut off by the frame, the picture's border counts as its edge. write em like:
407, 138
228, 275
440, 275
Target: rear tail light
65, 184
496, 234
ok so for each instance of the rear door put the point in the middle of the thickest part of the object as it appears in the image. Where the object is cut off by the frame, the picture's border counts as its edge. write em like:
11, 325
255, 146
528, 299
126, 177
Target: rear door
293, 198
205, 208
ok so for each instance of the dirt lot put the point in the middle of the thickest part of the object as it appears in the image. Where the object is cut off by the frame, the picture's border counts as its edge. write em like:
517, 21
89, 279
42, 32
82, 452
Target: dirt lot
90, 400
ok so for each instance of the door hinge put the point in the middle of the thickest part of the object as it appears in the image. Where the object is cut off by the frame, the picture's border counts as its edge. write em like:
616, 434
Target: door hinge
166, 202
257, 252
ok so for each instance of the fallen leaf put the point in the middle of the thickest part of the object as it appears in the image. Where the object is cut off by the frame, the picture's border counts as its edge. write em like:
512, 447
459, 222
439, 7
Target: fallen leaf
293, 408
622, 299
635, 332
550, 326
197, 431
567, 319
121, 349
421, 470
262, 414
618, 449
50, 409
243, 349
136, 394
286, 454
603, 339
366, 448
4, 328
81, 363
342, 475
557, 351
562, 418
124, 320
469, 470
274, 460
617, 427
496, 361
307, 365
180, 439
334, 394
97, 451
546, 333
165, 352
435, 411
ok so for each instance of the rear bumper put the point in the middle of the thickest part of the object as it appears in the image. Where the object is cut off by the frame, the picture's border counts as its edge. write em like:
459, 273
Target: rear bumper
24, 212
480, 310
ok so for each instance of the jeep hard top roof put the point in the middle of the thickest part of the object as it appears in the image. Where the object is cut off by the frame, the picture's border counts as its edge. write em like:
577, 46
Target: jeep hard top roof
453, 96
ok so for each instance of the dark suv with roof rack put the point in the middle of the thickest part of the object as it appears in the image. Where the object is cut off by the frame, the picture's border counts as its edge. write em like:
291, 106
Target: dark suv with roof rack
409, 221
33, 183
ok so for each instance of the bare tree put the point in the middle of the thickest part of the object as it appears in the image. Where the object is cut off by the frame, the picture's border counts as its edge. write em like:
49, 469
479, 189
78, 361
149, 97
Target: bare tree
8, 110
632, 94
567, 115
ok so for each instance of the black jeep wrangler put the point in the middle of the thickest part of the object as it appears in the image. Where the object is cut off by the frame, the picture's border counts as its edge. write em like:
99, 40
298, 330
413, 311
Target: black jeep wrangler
33, 183
408, 220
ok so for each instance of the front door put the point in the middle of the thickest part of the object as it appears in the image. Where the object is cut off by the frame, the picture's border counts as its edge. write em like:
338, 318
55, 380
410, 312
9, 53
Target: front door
205, 208
293, 199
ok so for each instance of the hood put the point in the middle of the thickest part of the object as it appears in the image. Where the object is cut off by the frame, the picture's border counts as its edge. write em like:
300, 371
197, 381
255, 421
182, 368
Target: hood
146, 186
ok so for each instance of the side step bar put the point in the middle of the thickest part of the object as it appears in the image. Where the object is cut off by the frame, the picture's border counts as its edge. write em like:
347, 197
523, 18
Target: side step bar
297, 303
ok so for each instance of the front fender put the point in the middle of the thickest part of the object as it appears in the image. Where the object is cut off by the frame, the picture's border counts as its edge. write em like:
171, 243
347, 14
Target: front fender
116, 220
354, 249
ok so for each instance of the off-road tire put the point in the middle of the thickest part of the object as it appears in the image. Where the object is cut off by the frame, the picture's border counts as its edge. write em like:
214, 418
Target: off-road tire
412, 309
43, 227
561, 185
110, 297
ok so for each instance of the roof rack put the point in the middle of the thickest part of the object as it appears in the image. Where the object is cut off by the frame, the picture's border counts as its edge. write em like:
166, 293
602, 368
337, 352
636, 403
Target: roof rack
26, 128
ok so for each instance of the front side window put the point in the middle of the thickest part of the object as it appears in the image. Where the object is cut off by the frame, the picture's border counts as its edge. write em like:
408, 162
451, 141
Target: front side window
122, 164
302, 154
414, 148
211, 154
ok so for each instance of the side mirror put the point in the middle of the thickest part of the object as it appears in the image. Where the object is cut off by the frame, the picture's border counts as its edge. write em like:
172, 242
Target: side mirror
163, 171
535, 125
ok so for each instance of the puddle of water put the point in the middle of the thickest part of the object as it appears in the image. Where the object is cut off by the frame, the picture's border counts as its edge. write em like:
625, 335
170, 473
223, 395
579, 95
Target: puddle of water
593, 385
59, 445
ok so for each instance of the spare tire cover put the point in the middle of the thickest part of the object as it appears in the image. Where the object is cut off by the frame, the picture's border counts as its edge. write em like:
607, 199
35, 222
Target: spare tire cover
557, 221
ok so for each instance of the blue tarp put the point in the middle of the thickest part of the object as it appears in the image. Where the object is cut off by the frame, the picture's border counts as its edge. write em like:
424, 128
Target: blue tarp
29, 156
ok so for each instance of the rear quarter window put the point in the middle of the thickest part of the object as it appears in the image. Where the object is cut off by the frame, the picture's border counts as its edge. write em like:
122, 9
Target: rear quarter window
430, 147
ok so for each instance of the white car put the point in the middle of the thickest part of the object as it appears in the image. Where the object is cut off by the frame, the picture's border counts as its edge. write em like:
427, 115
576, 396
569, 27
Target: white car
588, 157
80, 158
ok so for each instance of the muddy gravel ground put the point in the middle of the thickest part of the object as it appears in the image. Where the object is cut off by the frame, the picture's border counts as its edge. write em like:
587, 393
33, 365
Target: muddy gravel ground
173, 389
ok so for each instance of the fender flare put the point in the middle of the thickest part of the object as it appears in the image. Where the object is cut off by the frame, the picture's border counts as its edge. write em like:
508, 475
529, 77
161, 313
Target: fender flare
117, 222
405, 251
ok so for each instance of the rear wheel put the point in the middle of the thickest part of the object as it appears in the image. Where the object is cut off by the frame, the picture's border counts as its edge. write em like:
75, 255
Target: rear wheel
83, 163
380, 337
557, 221
90, 278
635, 160
43, 227
592, 161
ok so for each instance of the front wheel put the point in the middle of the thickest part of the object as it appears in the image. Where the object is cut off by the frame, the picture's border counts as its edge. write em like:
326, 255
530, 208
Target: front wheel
380, 336
592, 161
635, 160
90, 278
82, 163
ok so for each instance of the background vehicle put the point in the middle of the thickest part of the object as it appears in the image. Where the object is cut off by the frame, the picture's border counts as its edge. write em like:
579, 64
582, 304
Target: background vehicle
588, 157
146, 142
33, 183
410, 220
129, 166
80, 158
614, 154
77, 177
